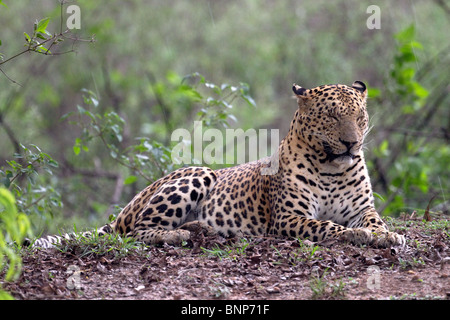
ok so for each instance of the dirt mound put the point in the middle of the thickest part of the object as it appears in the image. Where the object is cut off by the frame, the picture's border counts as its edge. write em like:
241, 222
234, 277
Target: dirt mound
247, 269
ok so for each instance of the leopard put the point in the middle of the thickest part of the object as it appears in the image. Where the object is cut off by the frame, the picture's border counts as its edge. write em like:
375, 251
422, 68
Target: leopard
315, 186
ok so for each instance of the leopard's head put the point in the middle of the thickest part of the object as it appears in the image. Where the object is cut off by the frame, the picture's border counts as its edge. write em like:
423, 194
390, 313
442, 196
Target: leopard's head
332, 120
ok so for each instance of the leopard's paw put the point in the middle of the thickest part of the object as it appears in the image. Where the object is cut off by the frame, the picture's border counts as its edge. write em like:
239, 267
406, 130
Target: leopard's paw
172, 237
384, 238
177, 237
357, 235
199, 227
379, 238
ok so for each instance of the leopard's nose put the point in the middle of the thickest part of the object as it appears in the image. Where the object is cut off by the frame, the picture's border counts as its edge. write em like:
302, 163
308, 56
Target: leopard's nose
348, 144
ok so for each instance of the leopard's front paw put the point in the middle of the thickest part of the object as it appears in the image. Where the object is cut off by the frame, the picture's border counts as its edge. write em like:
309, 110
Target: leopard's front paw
380, 238
384, 238
173, 237
199, 226
357, 235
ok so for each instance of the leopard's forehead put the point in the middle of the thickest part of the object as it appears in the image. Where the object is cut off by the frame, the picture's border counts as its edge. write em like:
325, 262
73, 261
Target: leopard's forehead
333, 91
337, 95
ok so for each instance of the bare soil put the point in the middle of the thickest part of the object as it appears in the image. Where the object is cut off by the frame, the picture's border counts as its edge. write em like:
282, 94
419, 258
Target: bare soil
211, 268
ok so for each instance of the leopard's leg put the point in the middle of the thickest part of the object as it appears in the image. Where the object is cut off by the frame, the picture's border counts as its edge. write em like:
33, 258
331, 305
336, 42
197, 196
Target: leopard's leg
170, 206
296, 226
371, 220
372, 230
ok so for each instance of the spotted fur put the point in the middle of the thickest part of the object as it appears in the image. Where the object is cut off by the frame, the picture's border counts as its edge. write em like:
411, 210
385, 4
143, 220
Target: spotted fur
315, 187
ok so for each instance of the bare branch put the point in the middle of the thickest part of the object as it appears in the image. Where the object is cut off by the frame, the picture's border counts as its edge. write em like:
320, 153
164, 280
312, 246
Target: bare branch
9, 78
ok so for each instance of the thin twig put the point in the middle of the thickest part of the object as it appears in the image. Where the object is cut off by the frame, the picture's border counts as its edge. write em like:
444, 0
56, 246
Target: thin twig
9, 78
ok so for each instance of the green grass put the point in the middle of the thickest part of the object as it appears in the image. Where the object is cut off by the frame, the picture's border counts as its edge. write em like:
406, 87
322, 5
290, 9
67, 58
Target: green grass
404, 222
305, 252
322, 289
413, 296
232, 251
94, 245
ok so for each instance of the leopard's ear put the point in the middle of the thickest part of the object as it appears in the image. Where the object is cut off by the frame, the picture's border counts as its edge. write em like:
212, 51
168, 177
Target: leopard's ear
302, 97
360, 86
299, 91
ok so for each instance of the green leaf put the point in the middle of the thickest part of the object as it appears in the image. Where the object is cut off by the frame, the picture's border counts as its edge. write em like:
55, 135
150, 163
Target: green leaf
408, 73
379, 196
77, 146
249, 100
215, 88
43, 49
40, 36
420, 91
81, 110
76, 150
406, 35
42, 25
130, 180
374, 92
416, 45
27, 37
245, 90
382, 150
408, 109
65, 116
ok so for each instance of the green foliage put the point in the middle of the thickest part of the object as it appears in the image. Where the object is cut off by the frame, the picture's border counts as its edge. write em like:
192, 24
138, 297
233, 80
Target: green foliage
148, 158
318, 285
404, 71
40, 32
217, 106
41, 41
14, 226
412, 163
21, 176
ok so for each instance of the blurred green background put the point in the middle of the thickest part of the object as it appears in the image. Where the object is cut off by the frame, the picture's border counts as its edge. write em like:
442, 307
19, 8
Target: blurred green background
82, 132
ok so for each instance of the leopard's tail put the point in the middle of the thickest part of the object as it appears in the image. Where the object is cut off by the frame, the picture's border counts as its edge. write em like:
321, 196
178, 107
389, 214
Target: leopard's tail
51, 240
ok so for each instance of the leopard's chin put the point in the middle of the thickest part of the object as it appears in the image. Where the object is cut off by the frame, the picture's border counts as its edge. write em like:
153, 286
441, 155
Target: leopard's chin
344, 160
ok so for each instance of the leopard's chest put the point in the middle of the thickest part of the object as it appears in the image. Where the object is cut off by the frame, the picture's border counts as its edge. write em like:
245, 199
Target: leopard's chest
333, 196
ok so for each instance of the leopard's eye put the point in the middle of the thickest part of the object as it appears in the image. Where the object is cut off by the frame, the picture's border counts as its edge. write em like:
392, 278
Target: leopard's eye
361, 121
333, 117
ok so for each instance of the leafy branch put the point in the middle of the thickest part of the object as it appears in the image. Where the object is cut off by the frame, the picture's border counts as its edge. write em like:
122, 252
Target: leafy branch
108, 128
30, 197
408, 138
41, 41
148, 158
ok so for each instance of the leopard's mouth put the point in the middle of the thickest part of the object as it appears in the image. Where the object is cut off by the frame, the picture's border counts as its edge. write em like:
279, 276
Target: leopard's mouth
331, 156
344, 156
